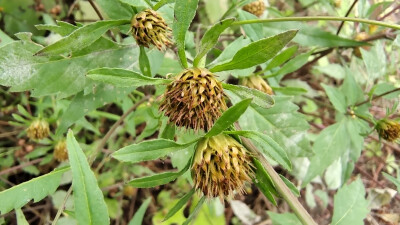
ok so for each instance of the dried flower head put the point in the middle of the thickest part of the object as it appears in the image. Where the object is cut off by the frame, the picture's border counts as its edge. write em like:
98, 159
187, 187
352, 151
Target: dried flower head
221, 166
256, 8
256, 82
38, 129
60, 151
388, 129
195, 99
149, 28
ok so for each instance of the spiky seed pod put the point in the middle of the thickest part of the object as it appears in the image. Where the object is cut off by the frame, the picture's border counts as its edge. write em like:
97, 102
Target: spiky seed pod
256, 8
38, 129
221, 166
149, 28
388, 129
60, 151
256, 82
195, 99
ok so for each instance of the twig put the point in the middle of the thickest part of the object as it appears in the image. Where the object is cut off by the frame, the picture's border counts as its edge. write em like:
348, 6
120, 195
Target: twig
21, 166
61, 209
346, 15
101, 17
389, 13
378, 96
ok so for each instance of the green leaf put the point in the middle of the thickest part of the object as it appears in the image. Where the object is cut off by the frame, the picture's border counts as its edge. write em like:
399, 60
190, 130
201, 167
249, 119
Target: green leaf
281, 122
282, 57
185, 11
179, 204
268, 146
395, 181
230, 51
336, 97
4, 39
114, 9
123, 78
36, 189
80, 38
210, 38
154, 180
292, 65
62, 28
350, 205
290, 90
329, 145
264, 183
254, 31
144, 62
138, 217
90, 207
21, 220
291, 186
195, 211
148, 150
351, 90
284, 218
229, 117
136, 3
258, 98
257, 52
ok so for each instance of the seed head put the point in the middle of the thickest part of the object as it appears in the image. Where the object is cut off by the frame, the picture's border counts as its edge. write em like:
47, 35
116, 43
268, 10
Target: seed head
149, 28
221, 166
256, 8
388, 129
38, 129
195, 99
256, 82
60, 151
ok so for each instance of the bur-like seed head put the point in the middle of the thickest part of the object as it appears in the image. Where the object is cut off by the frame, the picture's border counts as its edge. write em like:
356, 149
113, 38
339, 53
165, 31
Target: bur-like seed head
388, 129
149, 28
221, 166
60, 151
256, 82
256, 8
195, 99
38, 129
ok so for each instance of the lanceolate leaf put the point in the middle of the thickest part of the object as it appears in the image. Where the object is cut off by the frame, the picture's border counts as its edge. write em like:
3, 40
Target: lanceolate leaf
290, 185
264, 182
81, 37
180, 204
148, 150
210, 38
123, 78
90, 207
257, 52
184, 14
195, 211
229, 117
138, 217
21, 220
144, 62
268, 146
36, 189
350, 205
258, 98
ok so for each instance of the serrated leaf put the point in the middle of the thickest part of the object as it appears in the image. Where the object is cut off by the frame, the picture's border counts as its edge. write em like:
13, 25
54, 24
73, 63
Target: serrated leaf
138, 217
148, 150
90, 207
336, 98
268, 146
257, 52
184, 11
258, 98
281, 122
195, 211
350, 205
81, 37
179, 204
210, 38
229, 117
36, 189
123, 78
255, 31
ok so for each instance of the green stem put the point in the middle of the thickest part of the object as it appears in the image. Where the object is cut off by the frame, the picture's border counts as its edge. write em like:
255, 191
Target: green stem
318, 18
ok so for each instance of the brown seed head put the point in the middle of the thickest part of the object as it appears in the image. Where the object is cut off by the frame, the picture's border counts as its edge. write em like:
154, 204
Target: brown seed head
256, 8
149, 28
388, 129
195, 99
221, 166
256, 82
60, 151
38, 129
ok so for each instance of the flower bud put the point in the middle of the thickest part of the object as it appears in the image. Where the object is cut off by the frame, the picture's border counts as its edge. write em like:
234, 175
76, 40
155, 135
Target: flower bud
256, 82
38, 129
149, 28
256, 8
195, 99
388, 129
60, 151
221, 166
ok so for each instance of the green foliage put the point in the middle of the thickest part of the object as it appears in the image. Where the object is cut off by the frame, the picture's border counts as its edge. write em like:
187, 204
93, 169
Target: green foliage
179, 204
138, 217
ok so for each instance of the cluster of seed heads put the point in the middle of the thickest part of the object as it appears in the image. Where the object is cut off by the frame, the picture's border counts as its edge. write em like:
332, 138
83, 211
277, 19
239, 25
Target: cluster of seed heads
38, 129
388, 130
60, 151
256, 8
